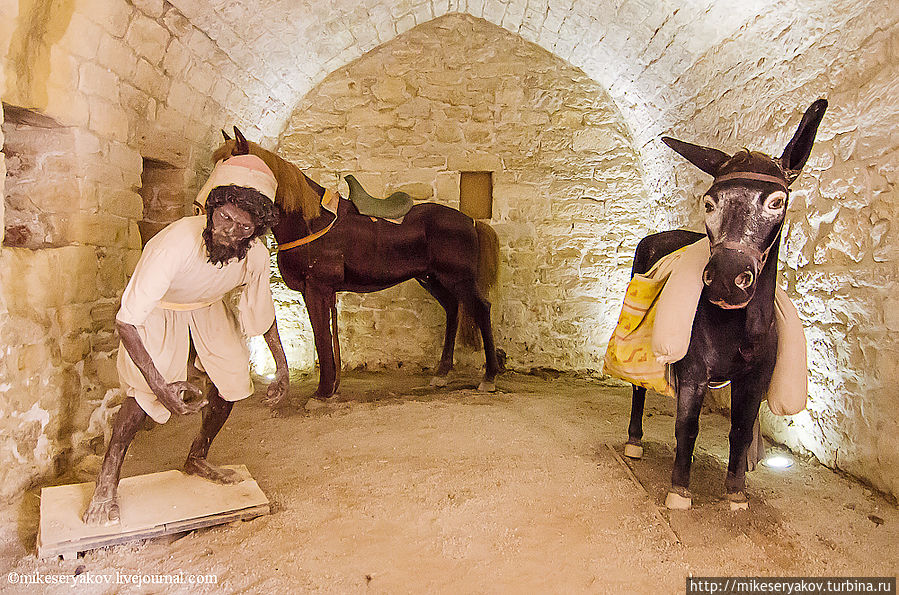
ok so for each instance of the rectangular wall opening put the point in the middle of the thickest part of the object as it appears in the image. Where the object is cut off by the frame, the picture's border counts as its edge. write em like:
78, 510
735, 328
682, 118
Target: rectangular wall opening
476, 194
162, 190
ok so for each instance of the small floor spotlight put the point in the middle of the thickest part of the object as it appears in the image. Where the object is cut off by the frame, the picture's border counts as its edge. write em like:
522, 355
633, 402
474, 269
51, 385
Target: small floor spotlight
778, 462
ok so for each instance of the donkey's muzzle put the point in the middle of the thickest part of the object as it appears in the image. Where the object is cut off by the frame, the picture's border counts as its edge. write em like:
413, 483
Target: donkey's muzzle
730, 276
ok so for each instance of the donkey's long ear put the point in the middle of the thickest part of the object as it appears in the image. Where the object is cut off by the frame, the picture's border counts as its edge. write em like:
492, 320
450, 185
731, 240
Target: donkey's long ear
800, 146
225, 135
243, 147
705, 158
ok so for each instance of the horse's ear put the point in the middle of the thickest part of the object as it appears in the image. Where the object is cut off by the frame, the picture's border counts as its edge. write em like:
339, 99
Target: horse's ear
225, 134
243, 147
707, 159
800, 146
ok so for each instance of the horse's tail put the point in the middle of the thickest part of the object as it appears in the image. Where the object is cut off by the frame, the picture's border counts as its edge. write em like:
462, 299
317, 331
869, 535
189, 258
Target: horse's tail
488, 257
488, 273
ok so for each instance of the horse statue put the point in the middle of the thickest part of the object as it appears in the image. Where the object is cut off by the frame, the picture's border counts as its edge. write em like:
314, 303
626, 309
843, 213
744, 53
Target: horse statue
734, 336
326, 245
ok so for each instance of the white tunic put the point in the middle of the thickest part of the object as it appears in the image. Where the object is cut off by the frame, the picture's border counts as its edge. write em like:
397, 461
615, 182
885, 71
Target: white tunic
175, 294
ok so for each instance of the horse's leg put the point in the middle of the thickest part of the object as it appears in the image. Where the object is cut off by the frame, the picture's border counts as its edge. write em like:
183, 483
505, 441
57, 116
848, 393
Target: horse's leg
479, 308
450, 303
634, 446
319, 300
690, 395
746, 397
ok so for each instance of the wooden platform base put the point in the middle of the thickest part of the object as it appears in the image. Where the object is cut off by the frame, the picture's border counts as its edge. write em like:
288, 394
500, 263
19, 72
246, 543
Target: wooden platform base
149, 505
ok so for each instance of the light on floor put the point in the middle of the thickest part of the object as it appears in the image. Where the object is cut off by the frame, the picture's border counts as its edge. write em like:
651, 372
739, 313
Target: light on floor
778, 461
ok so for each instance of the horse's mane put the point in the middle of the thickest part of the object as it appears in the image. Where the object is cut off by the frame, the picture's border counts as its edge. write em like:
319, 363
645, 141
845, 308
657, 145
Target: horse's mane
295, 192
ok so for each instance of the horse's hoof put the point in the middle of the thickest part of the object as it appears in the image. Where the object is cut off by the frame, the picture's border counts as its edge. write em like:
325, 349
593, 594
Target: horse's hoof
738, 501
678, 501
633, 451
439, 381
487, 386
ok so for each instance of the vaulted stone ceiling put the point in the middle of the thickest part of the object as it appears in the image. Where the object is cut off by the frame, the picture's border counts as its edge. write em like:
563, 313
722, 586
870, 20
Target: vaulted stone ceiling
656, 58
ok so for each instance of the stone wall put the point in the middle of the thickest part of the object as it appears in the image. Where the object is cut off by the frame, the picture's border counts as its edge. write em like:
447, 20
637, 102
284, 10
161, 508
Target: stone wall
840, 257
459, 94
90, 89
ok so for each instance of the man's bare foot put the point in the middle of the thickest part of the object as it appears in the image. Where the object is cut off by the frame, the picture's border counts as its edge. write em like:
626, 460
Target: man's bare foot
101, 512
206, 470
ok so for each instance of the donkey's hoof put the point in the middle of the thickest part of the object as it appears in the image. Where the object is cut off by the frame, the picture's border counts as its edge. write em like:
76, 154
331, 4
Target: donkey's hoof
439, 381
738, 501
633, 451
487, 386
678, 499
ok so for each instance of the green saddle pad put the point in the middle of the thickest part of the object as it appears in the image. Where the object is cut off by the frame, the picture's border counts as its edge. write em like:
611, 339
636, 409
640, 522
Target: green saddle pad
394, 206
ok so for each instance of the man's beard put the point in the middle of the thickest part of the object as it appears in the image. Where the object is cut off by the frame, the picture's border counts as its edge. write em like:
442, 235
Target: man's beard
220, 255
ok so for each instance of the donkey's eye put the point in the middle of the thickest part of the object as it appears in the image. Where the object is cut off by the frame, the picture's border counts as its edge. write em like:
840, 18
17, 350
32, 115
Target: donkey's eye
709, 204
776, 201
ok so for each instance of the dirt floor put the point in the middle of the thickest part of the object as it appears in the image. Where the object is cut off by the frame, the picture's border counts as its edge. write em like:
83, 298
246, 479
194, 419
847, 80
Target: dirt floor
394, 487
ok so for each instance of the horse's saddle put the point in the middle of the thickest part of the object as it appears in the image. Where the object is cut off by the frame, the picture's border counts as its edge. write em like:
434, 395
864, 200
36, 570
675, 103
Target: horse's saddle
394, 206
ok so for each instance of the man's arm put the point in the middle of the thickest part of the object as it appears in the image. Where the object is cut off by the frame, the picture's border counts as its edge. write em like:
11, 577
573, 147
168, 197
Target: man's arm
169, 394
277, 390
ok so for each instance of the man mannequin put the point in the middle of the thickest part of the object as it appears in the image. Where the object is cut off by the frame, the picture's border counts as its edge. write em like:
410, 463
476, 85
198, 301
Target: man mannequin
175, 295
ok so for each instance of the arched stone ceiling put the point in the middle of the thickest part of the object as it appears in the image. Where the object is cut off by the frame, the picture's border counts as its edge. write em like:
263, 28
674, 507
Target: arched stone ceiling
644, 52
691, 67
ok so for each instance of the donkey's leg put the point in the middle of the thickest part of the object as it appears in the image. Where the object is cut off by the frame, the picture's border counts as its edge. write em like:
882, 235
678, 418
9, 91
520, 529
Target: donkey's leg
686, 427
479, 308
745, 399
451, 304
318, 303
634, 446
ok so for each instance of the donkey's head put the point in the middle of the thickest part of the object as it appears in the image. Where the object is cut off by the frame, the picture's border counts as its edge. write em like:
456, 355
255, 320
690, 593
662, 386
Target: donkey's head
745, 208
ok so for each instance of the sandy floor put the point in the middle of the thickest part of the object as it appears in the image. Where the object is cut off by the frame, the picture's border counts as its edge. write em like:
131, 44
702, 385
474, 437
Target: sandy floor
397, 488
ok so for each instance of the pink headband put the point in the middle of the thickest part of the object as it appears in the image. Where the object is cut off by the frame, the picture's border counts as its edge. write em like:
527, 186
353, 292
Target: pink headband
241, 170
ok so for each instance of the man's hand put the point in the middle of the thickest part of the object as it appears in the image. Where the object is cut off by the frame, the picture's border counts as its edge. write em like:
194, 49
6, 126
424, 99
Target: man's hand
277, 390
170, 395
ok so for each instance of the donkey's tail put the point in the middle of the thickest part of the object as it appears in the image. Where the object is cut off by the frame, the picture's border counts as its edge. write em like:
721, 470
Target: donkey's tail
488, 273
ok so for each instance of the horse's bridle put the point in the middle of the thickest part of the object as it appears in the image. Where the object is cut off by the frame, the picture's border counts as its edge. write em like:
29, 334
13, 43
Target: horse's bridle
751, 251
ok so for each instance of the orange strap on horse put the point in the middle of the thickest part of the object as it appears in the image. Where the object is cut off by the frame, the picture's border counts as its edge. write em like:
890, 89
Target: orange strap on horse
308, 239
328, 201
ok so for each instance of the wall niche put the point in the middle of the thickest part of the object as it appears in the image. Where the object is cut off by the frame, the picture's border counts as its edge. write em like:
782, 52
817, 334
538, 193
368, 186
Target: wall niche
162, 191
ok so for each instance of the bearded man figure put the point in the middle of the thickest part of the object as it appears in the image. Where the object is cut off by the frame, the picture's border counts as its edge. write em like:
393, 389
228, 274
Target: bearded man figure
175, 295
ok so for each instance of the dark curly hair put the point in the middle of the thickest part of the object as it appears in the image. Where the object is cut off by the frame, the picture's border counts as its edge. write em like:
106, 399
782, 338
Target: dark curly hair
256, 204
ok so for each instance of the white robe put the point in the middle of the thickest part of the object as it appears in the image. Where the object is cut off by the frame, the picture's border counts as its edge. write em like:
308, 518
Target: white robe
175, 294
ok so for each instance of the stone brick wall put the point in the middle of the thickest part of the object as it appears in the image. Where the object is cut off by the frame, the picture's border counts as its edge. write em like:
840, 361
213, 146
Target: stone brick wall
90, 89
461, 94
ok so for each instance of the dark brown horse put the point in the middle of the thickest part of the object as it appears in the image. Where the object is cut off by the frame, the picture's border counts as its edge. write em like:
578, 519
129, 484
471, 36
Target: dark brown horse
734, 336
320, 253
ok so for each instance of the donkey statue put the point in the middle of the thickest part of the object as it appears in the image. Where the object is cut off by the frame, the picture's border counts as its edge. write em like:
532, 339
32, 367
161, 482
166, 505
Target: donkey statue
734, 336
